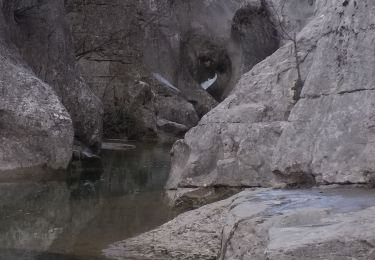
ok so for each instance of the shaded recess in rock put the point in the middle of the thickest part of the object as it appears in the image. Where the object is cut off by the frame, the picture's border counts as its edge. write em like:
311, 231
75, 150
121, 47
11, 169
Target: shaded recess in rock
206, 58
178, 40
255, 33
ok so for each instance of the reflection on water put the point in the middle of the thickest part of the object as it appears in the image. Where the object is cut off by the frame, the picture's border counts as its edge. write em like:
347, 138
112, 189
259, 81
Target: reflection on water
98, 204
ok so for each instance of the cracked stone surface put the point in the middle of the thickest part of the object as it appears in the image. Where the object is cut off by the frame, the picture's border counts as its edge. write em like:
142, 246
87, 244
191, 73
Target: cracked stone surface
330, 135
329, 223
324, 137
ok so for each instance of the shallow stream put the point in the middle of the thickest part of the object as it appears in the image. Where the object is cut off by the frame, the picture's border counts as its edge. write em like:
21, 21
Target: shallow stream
98, 203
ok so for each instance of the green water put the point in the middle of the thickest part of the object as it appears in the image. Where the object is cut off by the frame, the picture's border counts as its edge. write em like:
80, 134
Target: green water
97, 204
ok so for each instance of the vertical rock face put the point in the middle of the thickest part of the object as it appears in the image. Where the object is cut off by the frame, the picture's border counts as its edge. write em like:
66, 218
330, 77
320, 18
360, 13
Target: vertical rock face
330, 134
40, 31
110, 46
123, 47
323, 136
42, 93
35, 127
232, 143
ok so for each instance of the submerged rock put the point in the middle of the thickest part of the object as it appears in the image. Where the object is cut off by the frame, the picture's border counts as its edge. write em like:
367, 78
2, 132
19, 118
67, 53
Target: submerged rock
265, 224
192, 198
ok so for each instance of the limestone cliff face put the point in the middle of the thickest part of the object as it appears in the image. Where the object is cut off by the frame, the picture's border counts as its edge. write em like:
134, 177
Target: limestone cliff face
44, 101
264, 130
41, 33
131, 51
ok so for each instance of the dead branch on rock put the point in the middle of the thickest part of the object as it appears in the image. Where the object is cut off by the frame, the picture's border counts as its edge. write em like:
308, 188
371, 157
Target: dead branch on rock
292, 37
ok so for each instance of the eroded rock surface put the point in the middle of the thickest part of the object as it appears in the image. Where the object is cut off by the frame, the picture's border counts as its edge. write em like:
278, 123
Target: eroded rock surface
35, 128
322, 135
329, 135
265, 224
180, 44
41, 34
43, 96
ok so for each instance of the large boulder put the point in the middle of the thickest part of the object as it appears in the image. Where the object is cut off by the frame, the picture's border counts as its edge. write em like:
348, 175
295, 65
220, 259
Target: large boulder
265, 224
320, 134
41, 33
36, 129
43, 94
233, 144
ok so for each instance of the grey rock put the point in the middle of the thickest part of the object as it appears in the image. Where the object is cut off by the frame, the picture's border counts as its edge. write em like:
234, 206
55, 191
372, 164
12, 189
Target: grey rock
36, 129
176, 109
226, 161
330, 134
262, 131
42, 36
114, 146
192, 198
43, 95
184, 239
177, 40
171, 127
334, 223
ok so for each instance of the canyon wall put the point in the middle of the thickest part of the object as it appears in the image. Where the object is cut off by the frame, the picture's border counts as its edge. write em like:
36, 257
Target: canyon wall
271, 130
45, 103
147, 60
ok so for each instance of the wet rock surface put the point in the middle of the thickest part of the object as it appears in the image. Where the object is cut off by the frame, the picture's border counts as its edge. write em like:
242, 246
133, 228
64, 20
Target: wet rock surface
328, 223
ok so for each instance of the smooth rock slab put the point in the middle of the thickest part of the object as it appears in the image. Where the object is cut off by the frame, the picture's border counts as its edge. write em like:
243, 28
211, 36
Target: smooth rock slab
325, 223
